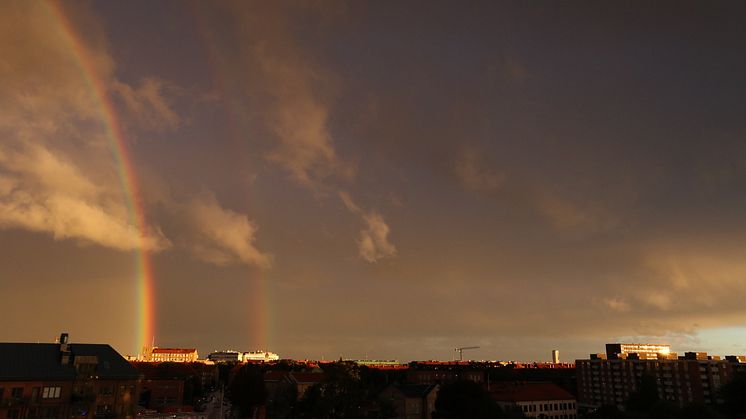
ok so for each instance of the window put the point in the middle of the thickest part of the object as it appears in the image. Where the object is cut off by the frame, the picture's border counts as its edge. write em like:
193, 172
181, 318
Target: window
103, 409
51, 392
51, 412
16, 392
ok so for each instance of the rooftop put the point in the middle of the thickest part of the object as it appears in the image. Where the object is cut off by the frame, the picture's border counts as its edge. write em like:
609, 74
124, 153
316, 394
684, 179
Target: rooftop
174, 350
43, 361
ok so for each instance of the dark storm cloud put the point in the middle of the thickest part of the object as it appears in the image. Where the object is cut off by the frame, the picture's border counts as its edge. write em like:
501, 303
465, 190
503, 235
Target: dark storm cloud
441, 174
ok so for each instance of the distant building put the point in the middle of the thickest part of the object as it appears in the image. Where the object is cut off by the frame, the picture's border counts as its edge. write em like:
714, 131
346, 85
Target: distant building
47, 380
236, 356
163, 393
555, 356
411, 401
275, 382
171, 355
536, 400
444, 372
380, 364
609, 379
642, 350
304, 380
169, 387
259, 356
225, 356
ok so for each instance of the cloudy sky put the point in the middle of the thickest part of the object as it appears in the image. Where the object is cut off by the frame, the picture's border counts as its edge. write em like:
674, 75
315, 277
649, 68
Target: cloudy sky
376, 179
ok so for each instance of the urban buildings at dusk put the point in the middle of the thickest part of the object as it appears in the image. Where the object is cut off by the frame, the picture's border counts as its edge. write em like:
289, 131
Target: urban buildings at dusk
335, 198
695, 377
71, 379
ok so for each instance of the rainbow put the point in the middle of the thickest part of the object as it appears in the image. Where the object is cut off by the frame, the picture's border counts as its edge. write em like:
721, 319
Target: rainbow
97, 87
259, 287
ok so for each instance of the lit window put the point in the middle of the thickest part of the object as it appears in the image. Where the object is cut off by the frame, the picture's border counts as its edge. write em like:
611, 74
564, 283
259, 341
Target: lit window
51, 392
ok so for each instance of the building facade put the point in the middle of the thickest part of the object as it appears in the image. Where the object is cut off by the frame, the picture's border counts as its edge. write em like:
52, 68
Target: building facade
610, 379
411, 401
171, 355
433, 372
46, 380
536, 400
259, 356
225, 356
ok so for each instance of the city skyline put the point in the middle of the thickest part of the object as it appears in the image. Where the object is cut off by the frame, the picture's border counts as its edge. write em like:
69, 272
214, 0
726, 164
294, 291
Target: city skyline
367, 180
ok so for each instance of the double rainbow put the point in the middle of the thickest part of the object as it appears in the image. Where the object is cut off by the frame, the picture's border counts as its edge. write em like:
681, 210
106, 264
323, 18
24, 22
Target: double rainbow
98, 90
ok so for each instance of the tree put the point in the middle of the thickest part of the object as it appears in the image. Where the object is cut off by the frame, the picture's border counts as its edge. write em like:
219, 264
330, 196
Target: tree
465, 400
247, 390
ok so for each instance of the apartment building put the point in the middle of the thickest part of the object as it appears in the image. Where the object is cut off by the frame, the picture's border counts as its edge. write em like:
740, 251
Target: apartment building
63, 380
609, 379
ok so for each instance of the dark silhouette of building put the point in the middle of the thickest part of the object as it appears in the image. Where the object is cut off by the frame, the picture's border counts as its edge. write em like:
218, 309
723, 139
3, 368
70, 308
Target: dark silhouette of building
47, 380
433, 372
411, 401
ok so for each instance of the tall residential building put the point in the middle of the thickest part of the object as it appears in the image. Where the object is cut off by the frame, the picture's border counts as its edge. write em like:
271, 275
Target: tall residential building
609, 379
555, 356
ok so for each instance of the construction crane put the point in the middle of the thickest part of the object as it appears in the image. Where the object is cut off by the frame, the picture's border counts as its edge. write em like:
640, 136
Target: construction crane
462, 349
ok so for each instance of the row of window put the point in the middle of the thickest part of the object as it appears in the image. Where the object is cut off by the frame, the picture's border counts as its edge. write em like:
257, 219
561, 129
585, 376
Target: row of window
51, 392
46, 392
15, 392
546, 407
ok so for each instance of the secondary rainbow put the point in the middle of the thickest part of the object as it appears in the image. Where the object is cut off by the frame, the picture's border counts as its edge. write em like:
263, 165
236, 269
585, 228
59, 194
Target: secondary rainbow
128, 179
259, 288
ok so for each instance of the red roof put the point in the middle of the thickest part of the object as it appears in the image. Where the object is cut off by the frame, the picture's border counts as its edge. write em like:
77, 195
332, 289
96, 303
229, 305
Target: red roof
528, 392
173, 350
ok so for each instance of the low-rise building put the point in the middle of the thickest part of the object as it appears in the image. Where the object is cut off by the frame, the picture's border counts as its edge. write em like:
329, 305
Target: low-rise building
225, 356
259, 356
304, 380
433, 372
536, 400
171, 355
411, 401
159, 394
66, 380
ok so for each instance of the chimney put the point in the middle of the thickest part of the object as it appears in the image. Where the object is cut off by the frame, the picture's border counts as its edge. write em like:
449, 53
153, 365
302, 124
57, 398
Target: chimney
65, 349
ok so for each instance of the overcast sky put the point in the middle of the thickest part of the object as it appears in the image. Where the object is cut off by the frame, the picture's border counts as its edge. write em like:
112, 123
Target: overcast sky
378, 179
